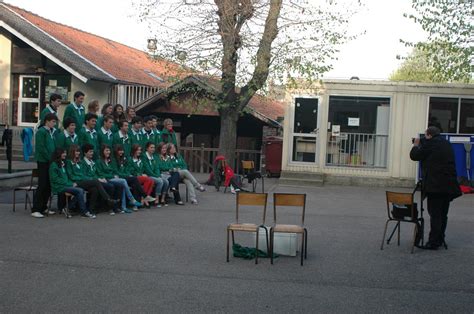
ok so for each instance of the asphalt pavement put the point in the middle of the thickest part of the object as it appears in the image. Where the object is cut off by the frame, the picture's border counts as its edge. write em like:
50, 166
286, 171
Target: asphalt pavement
173, 260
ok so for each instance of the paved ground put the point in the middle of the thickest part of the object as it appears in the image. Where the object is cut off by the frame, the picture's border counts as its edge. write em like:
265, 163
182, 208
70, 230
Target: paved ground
173, 260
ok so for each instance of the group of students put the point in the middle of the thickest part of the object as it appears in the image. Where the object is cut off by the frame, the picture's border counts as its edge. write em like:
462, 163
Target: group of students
116, 157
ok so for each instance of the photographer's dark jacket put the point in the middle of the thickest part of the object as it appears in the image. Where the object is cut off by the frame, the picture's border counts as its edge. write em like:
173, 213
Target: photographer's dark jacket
438, 166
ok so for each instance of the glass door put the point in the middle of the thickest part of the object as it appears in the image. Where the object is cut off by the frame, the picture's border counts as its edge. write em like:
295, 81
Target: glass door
305, 130
29, 100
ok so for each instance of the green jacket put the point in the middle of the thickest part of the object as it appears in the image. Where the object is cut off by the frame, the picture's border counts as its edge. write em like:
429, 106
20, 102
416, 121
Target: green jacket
178, 162
77, 114
165, 164
89, 170
76, 171
136, 167
105, 170
135, 137
45, 144
125, 141
89, 137
158, 138
151, 167
47, 110
58, 178
105, 138
148, 137
169, 137
64, 140
122, 169
99, 123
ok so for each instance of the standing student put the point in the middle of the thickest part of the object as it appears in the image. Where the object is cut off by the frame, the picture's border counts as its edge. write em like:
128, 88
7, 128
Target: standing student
148, 135
67, 137
105, 135
54, 103
135, 133
137, 168
61, 184
76, 110
122, 138
118, 114
88, 134
168, 172
93, 107
130, 114
107, 110
155, 130
44, 148
152, 169
168, 134
181, 167
106, 170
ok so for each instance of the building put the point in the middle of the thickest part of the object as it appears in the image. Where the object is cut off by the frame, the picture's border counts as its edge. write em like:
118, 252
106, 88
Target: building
360, 132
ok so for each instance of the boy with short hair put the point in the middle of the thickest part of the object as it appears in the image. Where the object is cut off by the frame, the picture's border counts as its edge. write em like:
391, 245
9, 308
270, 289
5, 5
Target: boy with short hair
148, 135
68, 137
54, 103
76, 110
122, 138
135, 133
105, 136
88, 134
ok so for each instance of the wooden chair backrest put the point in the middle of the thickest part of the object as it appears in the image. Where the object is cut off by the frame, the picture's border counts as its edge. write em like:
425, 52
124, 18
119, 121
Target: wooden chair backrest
399, 198
287, 199
251, 199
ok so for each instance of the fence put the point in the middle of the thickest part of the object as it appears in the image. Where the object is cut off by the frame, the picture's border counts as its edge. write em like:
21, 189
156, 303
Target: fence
357, 150
200, 159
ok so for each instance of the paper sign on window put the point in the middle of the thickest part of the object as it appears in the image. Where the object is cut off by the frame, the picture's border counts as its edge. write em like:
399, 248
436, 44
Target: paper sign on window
336, 130
353, 121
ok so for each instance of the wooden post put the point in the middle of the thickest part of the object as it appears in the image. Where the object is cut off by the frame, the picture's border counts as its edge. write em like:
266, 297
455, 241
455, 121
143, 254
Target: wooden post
201, 159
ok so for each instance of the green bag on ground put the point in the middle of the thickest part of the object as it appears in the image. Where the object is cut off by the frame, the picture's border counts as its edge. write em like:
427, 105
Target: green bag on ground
248, 252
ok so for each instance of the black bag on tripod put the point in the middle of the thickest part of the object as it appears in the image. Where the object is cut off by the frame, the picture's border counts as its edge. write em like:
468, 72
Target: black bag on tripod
405, 212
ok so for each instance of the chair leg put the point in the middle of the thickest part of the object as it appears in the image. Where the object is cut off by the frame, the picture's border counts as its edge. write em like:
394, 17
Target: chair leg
27, 199
384, 234
227, 245
256, 246
266, 238
414, 238
398, 239
305, 243
302, 248
233, 238
271, 246
14, 200
263, 185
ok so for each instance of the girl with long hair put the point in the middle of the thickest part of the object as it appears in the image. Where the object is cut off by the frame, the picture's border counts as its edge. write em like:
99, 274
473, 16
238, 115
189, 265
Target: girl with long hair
169, 173
152, 169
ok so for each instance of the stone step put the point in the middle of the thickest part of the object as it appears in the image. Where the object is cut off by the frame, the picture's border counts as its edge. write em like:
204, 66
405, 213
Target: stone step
300, 182
301, 179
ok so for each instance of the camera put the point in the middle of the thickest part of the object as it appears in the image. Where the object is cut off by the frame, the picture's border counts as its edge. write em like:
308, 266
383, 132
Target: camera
422, 139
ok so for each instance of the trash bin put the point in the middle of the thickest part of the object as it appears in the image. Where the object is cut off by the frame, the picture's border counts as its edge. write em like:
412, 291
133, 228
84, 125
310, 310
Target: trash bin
273, 151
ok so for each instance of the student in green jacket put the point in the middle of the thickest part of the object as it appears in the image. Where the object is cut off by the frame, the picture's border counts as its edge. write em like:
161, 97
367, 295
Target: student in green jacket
121, 138
45, 144
152, 170
122, 168
136, 168
61, 184
148, 135
54, 103
157, 132
168, 134
119, 115
94, 187
107, 110
76, 110
184, 174
105, 135
88, 134
135, 133
169, 173
106, 170
89, 171
68, 137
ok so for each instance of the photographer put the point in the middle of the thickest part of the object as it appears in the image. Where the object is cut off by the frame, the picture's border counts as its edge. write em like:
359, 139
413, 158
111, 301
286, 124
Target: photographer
439, 181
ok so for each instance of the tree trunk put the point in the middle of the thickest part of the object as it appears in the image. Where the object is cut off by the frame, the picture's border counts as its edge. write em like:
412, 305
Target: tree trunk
228, 135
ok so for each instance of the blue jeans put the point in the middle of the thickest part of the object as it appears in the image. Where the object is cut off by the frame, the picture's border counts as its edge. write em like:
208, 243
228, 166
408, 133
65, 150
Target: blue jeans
161, 186
78, 198
125, 188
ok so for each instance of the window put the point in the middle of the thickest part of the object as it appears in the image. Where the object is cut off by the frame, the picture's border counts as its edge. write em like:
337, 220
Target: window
451, 114
305, 130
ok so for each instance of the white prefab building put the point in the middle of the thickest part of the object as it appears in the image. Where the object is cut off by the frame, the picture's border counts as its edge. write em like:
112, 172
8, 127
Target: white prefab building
360, 132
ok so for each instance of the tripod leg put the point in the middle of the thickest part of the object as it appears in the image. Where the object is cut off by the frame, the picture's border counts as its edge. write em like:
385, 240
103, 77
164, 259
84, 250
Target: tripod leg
398, 241
384, 234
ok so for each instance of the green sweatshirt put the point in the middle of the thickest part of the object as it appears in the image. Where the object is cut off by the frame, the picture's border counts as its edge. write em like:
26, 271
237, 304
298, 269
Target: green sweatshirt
178, 162
105, 138
89, 169
124, 141
151, 166
45, 144
64, 140
105, 169
136, 167
135, 137
58, 178
165, 164
77, 114
169, 137
87, 136
47, 110
148, 137
122, 169
76, 171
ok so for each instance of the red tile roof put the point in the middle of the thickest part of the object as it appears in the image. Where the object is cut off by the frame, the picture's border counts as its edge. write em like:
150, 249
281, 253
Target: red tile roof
123, 62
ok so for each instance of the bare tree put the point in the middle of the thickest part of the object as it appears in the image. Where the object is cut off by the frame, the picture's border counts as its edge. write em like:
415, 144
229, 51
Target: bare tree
246, 42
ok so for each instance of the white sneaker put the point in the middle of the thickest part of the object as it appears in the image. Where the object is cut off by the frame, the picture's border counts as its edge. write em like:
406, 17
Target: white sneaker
37, 215
194, 202
89, 215
149, 199
135, 208
50, 212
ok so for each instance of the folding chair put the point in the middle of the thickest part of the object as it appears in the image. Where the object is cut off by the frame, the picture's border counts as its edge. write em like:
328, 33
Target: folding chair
248, 199
404, 209
30, 188
248, 167
289, 200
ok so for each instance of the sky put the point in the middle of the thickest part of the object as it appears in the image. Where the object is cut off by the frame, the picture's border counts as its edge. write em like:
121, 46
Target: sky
370, 56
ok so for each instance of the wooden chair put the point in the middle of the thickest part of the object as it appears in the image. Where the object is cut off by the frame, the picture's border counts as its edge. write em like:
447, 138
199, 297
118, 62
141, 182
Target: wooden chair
290, 200
248, 199
30, 188
248, 168
401, 200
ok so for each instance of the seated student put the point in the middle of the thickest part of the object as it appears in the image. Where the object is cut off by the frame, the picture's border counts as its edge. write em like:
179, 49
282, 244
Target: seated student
135, 133
180, 166
122, 169
118, 115
107, 110
94, 187
130, 114
168, 134
168, 173
106, 170
61, 184
137, 168
121, 138
88, 134
152, 169
67, 137
105, 135
148, 135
